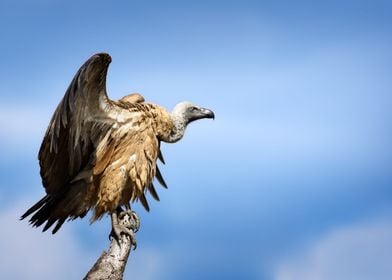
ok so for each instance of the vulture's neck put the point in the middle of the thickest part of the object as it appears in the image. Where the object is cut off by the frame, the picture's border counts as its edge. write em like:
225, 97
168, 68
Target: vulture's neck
178, 130
170, 126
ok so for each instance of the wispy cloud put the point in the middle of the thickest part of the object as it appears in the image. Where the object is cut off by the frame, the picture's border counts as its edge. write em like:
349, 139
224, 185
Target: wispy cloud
361, 252
29, 254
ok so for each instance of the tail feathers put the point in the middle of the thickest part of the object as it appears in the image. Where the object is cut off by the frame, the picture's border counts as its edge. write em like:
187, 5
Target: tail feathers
43, 210
35, 207
60, 222
56, 209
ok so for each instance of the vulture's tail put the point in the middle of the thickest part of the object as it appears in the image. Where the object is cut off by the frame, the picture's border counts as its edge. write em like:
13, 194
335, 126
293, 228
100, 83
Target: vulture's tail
58, 208
42, 213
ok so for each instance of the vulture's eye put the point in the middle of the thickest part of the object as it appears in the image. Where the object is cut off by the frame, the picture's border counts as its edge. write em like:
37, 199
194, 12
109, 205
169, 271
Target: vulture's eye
193, 109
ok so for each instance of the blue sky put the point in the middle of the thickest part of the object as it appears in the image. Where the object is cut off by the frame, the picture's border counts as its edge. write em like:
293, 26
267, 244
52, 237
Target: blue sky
291, 181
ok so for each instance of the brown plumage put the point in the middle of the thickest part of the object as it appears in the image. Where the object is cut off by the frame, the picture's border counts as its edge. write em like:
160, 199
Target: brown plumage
101, 154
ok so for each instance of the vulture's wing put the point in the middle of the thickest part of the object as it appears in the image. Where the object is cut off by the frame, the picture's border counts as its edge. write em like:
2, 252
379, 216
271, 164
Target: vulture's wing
84, 115
66, 157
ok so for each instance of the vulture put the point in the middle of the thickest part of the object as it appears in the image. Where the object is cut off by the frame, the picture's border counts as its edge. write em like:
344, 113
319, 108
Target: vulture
101, 154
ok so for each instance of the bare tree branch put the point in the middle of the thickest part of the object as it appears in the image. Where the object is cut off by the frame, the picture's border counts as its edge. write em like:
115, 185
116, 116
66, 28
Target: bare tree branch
111, 264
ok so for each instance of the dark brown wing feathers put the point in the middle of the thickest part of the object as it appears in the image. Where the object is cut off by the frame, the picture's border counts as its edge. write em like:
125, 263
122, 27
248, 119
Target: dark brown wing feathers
144, 202
160, 156
68, 146
153, 192
160, 178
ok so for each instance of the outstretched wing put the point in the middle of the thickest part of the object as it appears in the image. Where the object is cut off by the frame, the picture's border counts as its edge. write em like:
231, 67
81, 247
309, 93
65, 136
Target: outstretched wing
82, 117
67, 154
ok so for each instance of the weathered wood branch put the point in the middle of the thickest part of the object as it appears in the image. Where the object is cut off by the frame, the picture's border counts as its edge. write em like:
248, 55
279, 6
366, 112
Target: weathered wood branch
111, 264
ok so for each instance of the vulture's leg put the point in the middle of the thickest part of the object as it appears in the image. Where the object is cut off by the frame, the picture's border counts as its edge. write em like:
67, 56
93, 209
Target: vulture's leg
122, 225
112, 234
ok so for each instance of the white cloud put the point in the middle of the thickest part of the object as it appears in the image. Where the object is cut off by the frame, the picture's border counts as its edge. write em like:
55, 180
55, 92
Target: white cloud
28, 253
360, 252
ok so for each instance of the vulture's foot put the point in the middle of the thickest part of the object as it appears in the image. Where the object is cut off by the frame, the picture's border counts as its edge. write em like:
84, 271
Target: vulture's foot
134, 221
123, 224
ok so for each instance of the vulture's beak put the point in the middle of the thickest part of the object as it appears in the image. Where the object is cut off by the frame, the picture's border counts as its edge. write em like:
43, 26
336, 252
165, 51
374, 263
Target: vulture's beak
207, 113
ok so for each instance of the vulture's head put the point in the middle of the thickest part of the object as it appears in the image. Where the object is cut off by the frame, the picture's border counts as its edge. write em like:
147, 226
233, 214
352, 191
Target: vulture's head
183, 114
190, 112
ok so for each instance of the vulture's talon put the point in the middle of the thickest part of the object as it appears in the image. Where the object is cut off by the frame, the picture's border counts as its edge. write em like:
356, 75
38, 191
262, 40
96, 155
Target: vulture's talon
130, 218
119, 229
135, 221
